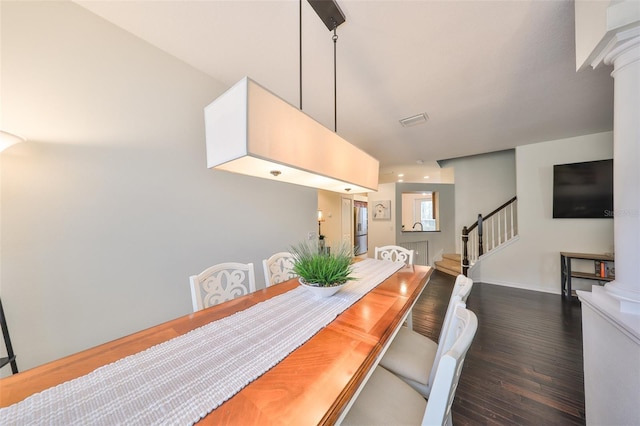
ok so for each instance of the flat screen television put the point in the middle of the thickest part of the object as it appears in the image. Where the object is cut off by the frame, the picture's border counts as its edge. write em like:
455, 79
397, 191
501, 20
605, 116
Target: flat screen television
583, 190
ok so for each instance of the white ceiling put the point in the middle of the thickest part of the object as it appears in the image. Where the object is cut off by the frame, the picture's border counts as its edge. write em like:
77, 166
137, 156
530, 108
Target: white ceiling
491, 75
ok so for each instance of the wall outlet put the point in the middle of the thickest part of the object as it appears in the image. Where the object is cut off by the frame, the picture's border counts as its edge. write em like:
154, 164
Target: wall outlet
311, 235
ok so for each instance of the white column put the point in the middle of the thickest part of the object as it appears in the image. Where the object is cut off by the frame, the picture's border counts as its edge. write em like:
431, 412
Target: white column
612, 36
624, 54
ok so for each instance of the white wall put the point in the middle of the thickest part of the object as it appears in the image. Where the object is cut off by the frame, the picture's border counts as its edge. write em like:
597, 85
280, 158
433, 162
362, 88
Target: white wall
382, 232
611, 362
591, 26
483, 183
533, 262
331, 205
109, 207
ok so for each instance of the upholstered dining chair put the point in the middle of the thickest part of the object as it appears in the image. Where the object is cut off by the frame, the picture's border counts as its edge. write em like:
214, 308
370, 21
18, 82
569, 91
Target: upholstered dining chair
414, 357
387, 400
394, 253
278, 268
221, 282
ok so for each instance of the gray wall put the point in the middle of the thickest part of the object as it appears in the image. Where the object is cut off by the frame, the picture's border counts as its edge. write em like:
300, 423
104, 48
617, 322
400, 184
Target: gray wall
483, 183
439, 242
109, 207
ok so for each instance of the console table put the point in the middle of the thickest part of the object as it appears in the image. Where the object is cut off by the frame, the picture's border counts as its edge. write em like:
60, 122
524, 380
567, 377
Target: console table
566, 272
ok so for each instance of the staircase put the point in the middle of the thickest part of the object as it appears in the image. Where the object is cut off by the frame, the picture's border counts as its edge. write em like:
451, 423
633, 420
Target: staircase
488, 233
450, 264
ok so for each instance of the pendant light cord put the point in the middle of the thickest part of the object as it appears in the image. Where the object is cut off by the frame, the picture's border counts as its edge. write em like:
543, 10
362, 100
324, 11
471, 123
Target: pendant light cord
335, 81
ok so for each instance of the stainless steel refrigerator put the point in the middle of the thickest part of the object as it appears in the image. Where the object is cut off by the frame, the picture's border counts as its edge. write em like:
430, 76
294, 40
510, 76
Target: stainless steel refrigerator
360, 227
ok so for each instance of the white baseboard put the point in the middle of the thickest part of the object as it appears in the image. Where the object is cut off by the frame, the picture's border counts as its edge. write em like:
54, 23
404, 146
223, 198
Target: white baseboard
523, 286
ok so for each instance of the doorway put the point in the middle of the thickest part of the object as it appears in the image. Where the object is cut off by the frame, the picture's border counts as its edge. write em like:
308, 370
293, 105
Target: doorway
347, 220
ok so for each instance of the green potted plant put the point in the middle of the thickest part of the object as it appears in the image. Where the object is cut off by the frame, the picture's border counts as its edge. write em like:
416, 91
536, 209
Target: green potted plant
321, 272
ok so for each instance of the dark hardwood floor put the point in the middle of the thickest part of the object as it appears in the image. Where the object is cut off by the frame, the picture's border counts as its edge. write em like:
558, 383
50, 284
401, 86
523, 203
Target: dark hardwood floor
525, 365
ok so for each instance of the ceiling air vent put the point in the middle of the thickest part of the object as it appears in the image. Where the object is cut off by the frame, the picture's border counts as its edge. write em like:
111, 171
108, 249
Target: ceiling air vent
414, 120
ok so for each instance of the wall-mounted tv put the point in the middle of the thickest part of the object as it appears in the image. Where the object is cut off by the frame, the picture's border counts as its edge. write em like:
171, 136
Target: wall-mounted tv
583, 190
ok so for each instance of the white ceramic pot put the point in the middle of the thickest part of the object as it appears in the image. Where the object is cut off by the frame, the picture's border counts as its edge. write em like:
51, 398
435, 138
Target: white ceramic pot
321, 291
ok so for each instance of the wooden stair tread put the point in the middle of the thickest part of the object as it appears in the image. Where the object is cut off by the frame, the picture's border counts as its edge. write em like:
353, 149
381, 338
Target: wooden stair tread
450, 264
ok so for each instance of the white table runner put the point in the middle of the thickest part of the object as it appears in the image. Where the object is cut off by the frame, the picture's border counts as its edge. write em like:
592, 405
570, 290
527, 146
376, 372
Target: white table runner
183, 379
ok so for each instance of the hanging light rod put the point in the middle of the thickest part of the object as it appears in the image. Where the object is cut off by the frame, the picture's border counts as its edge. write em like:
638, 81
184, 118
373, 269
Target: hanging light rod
251, 131
329, 12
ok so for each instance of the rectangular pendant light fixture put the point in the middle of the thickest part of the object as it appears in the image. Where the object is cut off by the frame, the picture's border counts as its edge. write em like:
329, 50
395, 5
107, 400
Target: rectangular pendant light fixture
251, 131
7, 139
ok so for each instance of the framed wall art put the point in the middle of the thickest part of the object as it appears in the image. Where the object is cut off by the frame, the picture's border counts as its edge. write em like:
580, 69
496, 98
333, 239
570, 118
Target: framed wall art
382, 210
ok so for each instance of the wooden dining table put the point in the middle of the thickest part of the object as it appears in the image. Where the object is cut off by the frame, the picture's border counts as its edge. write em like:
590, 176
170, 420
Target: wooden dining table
314, 384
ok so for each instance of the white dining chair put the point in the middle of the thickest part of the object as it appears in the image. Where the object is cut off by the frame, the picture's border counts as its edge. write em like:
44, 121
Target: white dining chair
414, 357
385, 399
395, 254
278, 268
221, 282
